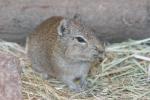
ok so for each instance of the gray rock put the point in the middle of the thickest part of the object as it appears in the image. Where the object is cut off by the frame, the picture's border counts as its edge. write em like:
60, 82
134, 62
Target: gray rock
10, 83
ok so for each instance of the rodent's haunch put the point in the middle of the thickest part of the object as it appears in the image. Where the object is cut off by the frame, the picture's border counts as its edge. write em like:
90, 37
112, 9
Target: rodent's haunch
64, 48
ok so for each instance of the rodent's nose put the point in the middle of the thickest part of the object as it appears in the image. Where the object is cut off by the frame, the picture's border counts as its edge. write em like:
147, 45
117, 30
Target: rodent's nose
100, 49
100, 52
95, 47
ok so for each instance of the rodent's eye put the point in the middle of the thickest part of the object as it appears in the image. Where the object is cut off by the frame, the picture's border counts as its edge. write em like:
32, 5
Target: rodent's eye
80, 39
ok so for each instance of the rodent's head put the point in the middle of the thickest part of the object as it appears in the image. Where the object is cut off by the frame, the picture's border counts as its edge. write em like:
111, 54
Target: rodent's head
78, 41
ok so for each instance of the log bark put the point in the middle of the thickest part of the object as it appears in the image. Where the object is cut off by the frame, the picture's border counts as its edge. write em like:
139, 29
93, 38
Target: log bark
113, 20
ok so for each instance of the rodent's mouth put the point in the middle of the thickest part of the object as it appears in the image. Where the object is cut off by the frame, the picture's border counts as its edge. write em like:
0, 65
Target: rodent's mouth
100, 59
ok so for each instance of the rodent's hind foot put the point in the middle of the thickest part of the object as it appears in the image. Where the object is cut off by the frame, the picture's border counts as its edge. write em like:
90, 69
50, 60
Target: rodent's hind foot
42, 75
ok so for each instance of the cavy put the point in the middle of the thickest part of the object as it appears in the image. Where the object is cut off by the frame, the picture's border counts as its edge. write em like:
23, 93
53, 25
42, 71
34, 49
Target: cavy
64, 48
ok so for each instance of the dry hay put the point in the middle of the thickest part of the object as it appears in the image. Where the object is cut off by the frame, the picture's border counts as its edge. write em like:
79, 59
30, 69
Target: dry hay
124, 74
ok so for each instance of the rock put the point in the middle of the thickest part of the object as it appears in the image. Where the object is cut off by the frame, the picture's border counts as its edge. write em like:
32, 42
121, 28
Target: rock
10, 82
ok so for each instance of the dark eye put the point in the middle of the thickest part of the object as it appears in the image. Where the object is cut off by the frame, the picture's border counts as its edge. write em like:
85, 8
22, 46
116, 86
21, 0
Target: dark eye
80, 39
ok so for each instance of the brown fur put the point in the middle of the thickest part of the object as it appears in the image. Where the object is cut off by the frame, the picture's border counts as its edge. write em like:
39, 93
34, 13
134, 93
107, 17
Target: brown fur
42, 39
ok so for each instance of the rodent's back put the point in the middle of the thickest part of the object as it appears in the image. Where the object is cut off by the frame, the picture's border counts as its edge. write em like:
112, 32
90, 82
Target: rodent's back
46, 33
41, 42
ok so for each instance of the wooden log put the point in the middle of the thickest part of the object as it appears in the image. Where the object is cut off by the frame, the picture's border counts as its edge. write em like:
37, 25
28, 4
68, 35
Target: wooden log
113, 20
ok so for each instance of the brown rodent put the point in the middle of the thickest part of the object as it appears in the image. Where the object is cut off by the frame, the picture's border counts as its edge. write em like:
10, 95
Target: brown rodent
64, 48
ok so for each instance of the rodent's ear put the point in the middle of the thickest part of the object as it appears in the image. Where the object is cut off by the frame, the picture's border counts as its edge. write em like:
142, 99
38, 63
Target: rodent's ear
63, 27
77, 17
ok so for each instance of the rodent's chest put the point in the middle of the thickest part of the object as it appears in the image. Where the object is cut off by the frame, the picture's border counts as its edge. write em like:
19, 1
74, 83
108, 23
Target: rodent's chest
76, 69
70, 68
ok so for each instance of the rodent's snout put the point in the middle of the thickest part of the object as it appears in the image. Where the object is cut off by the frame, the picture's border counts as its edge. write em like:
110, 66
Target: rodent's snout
99, 52
99, 49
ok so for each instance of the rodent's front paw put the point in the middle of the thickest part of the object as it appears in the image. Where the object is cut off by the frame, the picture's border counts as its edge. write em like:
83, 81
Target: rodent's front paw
79, 87
76, 88
83, 84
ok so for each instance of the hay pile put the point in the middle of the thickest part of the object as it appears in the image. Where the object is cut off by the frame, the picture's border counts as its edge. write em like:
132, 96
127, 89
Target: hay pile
123, 75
